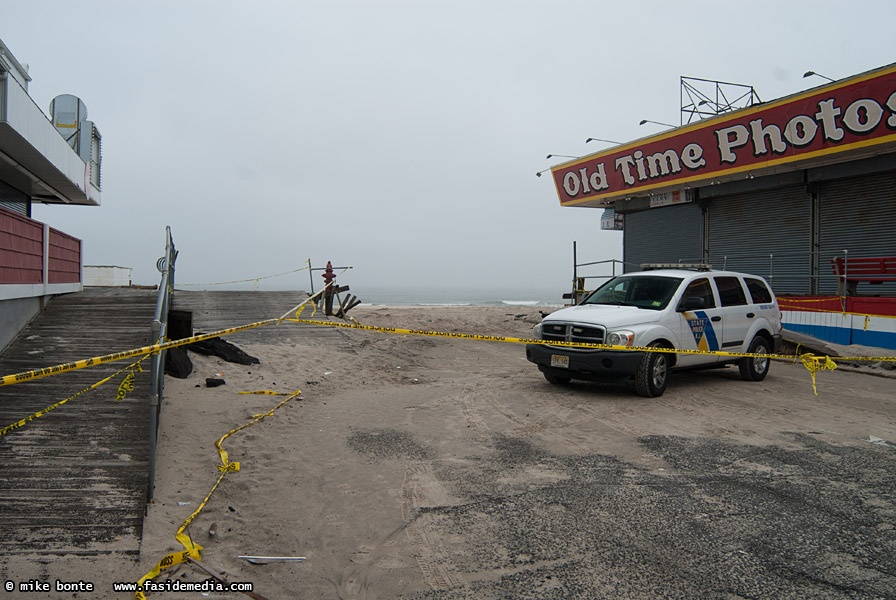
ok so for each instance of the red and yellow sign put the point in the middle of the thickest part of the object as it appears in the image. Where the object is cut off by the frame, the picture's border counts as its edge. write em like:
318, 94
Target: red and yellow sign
846, 116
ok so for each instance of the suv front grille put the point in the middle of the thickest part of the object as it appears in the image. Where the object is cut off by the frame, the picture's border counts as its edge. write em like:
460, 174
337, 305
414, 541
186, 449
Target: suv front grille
572, 332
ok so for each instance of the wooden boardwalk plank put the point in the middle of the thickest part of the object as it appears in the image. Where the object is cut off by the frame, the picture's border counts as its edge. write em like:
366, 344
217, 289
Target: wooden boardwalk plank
74, 481
217, 310
76, 478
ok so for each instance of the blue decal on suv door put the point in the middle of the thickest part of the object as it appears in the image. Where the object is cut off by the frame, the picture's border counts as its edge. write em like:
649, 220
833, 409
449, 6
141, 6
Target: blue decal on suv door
701, 329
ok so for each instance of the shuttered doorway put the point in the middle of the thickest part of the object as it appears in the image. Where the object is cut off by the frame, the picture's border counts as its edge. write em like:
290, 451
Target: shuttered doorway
859, 215
663, 235
766, 233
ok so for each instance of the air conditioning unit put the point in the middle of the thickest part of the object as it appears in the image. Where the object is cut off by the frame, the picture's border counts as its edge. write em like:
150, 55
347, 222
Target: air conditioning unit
69, 116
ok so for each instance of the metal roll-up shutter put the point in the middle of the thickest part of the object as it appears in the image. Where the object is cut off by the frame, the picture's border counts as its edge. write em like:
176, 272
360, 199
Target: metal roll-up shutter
766, 233
14, 200
663, 235
857, 214
16, 207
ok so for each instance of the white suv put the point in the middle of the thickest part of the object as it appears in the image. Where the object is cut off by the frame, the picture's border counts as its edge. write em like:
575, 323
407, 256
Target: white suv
688, 309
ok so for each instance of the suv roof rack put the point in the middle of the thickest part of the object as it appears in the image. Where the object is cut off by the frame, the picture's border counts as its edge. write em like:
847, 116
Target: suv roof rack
694, 266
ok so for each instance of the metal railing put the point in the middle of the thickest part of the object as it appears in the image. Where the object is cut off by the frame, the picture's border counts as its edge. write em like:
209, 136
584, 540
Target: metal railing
165, 265
786, 272
578, 281
790, 272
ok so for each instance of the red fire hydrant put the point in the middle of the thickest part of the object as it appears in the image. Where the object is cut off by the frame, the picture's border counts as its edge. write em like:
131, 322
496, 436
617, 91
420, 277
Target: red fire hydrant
328, 274
329, 292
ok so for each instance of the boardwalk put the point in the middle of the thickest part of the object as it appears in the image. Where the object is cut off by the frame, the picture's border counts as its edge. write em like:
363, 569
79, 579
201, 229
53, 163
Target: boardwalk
76, 477
218, 310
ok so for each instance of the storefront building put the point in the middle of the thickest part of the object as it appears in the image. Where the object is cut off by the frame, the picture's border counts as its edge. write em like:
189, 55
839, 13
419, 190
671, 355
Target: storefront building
800, 190
52, 160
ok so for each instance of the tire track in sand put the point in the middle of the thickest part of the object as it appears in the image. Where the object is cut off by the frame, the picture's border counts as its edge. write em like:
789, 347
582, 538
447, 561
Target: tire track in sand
419, 489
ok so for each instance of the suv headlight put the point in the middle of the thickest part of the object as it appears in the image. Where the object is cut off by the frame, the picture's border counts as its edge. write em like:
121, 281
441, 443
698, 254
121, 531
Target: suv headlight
536, 331
622, 337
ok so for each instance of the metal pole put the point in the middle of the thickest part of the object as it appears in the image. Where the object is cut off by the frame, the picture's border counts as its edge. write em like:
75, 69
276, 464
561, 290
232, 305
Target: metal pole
159, 331
311, 276
573, 297
845, 274
153, 412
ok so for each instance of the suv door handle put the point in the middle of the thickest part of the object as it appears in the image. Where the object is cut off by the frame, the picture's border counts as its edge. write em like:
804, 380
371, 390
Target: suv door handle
750, 315
716, 319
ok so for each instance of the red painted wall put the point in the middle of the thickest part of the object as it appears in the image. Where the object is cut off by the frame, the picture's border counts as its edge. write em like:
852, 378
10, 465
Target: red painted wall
65, 258
21, 252
21, 249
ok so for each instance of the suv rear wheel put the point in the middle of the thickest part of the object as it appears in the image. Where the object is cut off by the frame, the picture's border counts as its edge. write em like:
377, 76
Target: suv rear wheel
755, 368
652, 375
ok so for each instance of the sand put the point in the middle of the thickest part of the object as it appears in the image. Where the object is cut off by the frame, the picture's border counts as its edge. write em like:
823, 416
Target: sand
416, 467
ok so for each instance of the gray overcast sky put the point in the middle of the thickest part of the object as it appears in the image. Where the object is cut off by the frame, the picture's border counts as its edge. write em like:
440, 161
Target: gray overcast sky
401, 138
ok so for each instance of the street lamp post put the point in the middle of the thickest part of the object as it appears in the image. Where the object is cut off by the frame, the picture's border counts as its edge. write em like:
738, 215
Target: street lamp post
549, 156
811, 73
656, 123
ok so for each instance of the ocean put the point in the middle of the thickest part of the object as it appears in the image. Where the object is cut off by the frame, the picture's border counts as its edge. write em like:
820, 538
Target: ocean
456, 297
373, 296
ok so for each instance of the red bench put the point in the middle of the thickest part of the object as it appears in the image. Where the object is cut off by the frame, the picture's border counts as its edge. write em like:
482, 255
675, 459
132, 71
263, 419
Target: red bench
853, 270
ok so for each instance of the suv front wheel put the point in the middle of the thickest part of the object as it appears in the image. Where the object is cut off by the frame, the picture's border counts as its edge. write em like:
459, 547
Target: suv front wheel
652, 375
755, 368
556, 379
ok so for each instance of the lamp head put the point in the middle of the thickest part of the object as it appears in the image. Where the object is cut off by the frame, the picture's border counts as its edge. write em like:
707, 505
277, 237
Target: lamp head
810, 73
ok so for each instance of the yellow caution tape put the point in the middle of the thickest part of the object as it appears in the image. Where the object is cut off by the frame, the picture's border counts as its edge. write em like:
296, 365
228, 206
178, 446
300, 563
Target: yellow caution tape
191, 548
82, 364
810, 300
782, 304
495, 338
41, 413
128, 384
97, 360
817, 363
226, 465
841, 312
513, 340
492, 338
175, 558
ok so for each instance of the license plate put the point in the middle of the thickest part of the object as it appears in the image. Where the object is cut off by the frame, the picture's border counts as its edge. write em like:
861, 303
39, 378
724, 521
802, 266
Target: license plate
559, 361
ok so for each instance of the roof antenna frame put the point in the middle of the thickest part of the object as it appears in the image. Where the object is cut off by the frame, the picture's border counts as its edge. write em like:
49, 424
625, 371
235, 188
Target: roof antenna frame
702, 98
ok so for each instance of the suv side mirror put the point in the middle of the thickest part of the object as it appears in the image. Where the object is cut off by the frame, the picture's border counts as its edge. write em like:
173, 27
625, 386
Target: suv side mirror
691, 303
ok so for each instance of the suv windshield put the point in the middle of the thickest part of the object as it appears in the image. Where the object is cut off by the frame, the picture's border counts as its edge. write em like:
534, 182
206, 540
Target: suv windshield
644, 291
